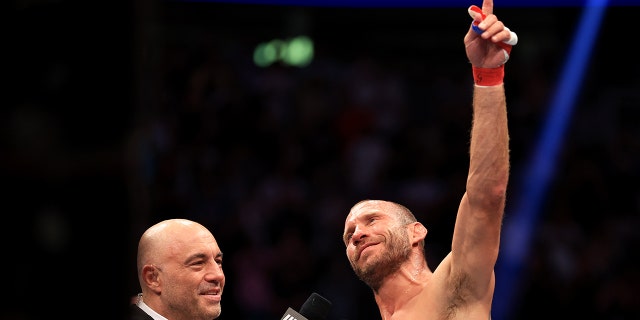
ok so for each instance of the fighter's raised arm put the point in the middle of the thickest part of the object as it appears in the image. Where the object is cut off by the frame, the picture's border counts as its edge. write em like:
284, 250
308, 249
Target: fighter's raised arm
476, 238
385, 244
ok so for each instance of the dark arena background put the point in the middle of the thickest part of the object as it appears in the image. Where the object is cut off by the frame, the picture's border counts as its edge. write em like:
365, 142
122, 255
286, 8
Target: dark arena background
267, 120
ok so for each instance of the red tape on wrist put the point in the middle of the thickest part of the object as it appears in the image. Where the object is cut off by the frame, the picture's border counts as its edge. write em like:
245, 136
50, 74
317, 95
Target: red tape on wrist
488, 76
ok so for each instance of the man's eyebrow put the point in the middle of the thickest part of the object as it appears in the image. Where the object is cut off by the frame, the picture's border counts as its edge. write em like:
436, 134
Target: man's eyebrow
202, 256
369, 215
195, 256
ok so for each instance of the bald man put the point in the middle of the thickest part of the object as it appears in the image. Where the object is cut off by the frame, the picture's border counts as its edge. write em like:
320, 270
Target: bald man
180, 273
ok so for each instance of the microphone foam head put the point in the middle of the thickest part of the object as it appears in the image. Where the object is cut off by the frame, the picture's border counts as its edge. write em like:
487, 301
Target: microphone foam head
316, 307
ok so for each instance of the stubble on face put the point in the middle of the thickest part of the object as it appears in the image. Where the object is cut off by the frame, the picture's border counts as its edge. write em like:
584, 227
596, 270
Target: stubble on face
386, 262
189, 303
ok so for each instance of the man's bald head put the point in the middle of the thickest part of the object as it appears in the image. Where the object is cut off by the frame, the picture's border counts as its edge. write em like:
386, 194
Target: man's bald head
157, 241
180, 270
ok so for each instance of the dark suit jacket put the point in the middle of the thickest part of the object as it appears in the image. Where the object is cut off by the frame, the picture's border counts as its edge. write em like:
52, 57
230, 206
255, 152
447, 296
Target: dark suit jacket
135, 313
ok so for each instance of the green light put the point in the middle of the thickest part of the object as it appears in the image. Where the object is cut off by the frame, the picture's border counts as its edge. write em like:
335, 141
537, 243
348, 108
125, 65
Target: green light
264, 55
295, 52
299, 52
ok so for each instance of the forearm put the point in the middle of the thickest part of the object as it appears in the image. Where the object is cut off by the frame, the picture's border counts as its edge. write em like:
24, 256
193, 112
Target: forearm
489, 149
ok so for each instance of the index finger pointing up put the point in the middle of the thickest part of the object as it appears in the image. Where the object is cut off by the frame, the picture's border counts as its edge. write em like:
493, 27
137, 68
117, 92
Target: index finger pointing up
487, 6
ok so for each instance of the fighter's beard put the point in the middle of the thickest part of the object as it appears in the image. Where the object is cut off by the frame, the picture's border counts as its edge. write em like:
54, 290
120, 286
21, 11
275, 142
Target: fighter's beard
397, 250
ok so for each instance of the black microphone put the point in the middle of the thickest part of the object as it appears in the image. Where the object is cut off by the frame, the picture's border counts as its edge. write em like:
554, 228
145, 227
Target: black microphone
315, 308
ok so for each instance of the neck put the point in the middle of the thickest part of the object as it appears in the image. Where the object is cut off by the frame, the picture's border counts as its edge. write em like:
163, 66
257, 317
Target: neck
401, 287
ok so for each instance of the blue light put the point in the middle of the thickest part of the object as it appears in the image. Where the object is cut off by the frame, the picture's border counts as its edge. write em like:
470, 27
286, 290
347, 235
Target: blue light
521, 224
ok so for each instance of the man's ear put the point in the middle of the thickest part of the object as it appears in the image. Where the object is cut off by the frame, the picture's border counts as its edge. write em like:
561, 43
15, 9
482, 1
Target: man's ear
151, 278
418, 232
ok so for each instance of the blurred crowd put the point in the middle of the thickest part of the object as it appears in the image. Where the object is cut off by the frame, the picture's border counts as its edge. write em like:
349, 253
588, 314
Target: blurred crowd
271, 159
